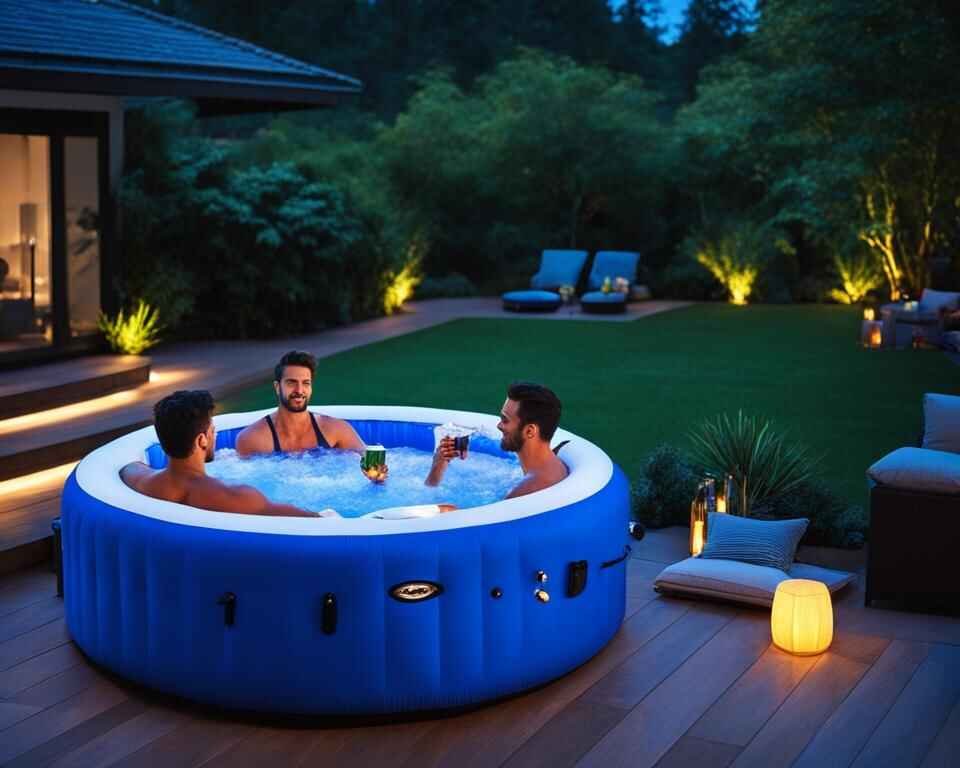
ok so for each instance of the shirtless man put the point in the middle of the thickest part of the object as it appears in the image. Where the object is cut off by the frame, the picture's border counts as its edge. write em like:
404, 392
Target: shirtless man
528, 419
294, 428
187, 435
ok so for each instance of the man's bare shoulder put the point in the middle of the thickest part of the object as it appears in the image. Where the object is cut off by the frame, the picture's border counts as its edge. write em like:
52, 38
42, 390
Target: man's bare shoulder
254, 438
344, 435
545, 477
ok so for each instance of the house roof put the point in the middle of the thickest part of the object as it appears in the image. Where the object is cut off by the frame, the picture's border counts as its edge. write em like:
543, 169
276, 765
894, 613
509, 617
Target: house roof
111, 47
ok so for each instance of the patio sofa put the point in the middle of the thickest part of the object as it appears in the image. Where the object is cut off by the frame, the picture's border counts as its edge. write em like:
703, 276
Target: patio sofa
928, 318
915, 515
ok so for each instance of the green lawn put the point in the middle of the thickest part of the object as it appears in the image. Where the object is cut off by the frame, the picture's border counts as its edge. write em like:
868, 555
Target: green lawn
630, 386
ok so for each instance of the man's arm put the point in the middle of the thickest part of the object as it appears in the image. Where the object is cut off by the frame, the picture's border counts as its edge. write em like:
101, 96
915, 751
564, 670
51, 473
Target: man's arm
345, 437
444, 454
247, 500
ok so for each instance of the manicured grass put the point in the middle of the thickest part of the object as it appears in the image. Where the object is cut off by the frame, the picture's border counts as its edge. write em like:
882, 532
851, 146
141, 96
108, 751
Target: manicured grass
631, 386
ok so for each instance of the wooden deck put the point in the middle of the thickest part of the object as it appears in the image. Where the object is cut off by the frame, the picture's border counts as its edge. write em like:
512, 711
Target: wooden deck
682, 683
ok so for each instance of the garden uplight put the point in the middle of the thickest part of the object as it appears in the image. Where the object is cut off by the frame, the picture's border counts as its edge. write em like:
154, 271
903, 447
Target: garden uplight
801, 620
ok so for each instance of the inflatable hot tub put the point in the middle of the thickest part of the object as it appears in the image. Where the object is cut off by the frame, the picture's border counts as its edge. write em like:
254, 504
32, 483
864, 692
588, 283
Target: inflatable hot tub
345, 616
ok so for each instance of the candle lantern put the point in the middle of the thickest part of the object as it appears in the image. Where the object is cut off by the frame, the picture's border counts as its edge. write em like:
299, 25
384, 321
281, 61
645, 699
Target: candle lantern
727, 497
871, 333
698, 521
801, 621
869, 314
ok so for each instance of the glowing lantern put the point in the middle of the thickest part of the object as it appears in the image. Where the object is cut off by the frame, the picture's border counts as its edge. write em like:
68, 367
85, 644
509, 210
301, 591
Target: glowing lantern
871, 332
698, 521
801, 621
868, 314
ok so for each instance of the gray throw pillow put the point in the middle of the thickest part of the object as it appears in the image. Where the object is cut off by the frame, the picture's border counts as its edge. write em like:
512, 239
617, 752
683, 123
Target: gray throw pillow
941, 422
762, 542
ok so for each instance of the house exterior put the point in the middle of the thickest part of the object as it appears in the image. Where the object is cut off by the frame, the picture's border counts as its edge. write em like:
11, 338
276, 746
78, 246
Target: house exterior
68, 71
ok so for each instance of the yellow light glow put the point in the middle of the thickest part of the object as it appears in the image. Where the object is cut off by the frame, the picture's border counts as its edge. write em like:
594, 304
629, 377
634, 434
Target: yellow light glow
696, 540
869, 314
47, 478
67, 412
721, 505
165, 378
801, 621
876, 337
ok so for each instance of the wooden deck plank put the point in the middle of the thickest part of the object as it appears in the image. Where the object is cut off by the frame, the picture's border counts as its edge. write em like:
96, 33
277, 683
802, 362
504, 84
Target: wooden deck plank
32, 643
287, 747
30, 617
58, 719
60, 687
653, 663
906, 733
12, 713
18, 590
946, 747
122, 740
654, 725
192, 744
76, 737
689, 751
39, 668
791, 728
737, 716
845, 732
503, 728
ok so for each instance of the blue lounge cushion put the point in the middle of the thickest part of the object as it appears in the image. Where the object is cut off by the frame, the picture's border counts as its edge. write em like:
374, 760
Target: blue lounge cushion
941, 422
599, 297
546, 300
612, 264
772, 543
918, 469
559, 268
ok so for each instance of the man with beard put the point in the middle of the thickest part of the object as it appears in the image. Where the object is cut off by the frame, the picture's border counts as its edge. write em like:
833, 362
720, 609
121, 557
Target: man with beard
294, 428
528, 420
187, 435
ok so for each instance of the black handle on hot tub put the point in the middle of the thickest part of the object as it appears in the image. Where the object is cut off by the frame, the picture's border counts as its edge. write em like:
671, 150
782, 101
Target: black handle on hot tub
229, 602
610, 563
328, 616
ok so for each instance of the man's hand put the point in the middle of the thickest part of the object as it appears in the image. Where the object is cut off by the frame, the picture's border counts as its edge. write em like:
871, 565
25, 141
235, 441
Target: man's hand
445, 453
447, 507
377, 474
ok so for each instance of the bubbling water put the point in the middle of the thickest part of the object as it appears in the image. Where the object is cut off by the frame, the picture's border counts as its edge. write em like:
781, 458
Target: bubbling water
324, 478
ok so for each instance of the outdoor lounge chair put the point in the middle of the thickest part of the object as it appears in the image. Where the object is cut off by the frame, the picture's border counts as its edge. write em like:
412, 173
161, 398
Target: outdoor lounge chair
914, 521
556, 268
609, 264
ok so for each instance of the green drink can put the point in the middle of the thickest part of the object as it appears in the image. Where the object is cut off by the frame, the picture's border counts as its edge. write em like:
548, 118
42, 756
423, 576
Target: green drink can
374, 456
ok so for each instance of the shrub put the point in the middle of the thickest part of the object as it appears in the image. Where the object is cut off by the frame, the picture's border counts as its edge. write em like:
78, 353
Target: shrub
734, 257
662, 493
859, 275
132, 334
451, 286
833, 522
762, 462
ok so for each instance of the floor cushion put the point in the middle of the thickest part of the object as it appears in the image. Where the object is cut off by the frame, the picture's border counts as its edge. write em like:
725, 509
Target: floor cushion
535, 301
599, 302
740, 582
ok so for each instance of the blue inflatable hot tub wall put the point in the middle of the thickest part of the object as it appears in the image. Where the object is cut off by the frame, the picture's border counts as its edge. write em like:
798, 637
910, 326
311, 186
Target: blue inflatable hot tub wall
310, 624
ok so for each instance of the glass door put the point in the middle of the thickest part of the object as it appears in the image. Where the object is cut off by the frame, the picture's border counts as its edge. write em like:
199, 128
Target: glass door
26, 283
81, 189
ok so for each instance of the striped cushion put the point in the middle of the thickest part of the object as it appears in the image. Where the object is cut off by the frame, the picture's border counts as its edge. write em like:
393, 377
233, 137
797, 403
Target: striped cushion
762, 542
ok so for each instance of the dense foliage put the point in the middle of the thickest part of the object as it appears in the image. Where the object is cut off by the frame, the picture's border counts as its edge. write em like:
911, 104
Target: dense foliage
804, 152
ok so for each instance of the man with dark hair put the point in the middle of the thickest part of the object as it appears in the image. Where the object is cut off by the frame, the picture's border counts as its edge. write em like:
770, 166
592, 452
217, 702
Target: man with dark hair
184, 424
292, 427
528, 421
